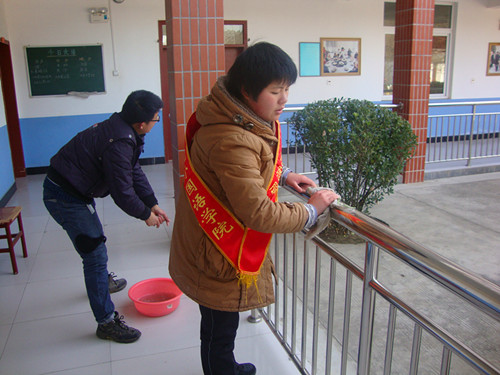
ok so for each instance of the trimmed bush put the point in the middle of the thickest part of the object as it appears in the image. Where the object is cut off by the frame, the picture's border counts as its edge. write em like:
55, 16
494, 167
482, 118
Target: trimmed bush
357, 148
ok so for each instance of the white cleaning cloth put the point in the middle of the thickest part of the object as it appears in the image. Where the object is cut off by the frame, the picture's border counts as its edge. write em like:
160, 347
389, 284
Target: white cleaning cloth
323, 219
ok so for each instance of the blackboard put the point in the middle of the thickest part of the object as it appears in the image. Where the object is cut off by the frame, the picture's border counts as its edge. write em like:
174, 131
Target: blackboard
59, 70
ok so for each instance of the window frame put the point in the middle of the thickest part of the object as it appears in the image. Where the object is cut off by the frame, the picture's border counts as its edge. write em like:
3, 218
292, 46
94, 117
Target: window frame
450, 43
243, 25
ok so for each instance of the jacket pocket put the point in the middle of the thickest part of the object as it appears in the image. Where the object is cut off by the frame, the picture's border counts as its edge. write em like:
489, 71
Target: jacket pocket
212, 263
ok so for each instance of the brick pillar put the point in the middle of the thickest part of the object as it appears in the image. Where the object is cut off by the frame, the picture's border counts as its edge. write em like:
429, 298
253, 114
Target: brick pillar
412, 61
195, 54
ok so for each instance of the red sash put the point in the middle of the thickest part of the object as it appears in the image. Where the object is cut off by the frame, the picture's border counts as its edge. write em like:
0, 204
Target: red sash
244, 248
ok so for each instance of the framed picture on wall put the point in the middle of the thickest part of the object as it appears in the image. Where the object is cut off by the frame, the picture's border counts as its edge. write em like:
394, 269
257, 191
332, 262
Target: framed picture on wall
340, 56
493, 65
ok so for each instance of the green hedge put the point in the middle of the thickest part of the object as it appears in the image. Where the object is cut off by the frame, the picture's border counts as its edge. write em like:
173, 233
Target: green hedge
357, 148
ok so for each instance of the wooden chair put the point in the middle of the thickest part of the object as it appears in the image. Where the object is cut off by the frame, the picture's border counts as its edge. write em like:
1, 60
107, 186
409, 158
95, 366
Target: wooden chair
7, 216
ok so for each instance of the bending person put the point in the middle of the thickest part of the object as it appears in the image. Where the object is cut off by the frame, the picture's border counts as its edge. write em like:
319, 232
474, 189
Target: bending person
102, 160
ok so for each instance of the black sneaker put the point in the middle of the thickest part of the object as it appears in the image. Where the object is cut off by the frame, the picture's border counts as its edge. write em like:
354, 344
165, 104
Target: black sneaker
114, 284
245, 369
118, 331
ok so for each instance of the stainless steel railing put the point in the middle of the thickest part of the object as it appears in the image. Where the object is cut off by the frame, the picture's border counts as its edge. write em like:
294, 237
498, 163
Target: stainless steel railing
347, 309
463, 136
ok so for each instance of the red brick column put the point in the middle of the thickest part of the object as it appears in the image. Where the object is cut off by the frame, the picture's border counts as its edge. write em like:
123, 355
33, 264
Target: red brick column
195, 50
412, 61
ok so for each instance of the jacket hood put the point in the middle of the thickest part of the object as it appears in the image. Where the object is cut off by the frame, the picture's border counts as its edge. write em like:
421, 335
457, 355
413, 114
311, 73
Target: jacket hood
221, 108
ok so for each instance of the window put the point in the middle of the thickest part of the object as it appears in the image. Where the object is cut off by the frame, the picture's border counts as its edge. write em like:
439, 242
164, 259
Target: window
235, 40
440, 65
163, 35
235, 33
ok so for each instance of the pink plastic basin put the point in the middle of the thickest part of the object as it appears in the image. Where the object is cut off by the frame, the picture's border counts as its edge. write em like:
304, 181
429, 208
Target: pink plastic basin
155, 297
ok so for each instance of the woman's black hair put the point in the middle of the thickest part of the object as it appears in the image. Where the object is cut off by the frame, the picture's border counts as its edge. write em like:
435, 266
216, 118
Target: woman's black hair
257, 67
140, 106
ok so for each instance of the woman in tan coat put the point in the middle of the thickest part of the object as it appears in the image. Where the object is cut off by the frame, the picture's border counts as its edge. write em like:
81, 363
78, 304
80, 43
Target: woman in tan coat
228, 210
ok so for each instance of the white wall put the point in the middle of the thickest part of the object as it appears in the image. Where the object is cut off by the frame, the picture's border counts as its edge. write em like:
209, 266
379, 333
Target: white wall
288, 22
284, 22
66, 22
3, 25
477, 26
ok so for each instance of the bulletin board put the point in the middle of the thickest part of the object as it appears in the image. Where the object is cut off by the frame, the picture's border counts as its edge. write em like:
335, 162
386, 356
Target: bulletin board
309, 59
59, 70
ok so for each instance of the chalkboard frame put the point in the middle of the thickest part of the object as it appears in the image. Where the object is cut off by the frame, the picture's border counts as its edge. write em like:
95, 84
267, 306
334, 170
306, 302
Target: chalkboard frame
71, 81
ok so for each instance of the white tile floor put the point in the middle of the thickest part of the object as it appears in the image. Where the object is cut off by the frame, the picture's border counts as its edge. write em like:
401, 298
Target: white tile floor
46, 326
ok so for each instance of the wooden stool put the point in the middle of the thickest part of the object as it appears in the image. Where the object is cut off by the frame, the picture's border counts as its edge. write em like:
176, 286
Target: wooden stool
7, 217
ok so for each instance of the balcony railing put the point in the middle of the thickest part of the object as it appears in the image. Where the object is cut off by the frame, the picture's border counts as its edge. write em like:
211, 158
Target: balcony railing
472, 133
386, 306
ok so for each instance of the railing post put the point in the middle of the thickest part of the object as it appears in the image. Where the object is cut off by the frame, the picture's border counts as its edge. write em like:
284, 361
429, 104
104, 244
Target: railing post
254, 316
469, 159
367, 310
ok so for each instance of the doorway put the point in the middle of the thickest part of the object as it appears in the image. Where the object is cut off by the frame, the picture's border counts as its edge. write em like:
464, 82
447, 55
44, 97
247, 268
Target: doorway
11, 113
162, 44
235, 42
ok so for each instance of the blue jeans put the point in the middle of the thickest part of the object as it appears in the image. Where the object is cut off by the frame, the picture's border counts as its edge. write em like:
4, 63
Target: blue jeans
81, 223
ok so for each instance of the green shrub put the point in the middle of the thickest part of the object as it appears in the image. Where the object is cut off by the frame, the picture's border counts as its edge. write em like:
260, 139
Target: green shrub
357, 148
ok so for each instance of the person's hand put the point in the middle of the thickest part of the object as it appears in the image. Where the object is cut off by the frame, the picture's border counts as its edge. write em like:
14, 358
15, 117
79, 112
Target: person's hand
153, 220
322, 199
299, 182
162, 216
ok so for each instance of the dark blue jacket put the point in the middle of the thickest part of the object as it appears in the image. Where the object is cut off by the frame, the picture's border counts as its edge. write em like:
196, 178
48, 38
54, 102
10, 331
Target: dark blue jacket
102, 160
